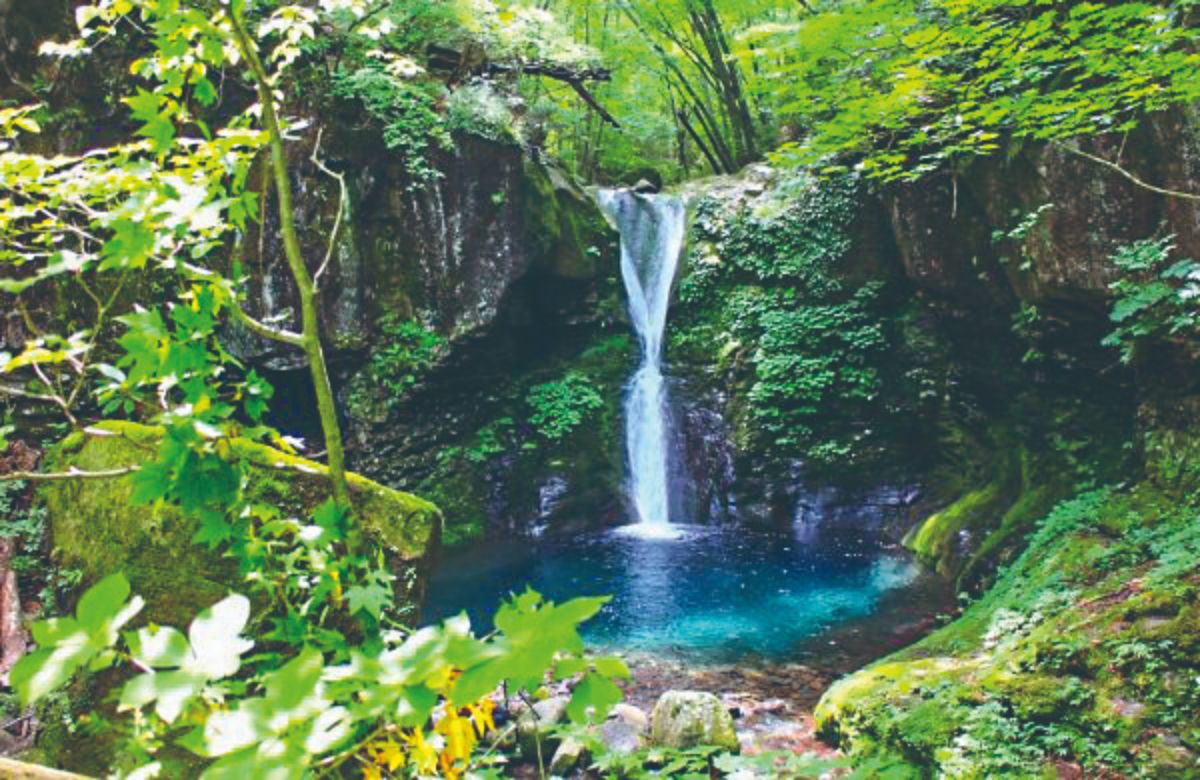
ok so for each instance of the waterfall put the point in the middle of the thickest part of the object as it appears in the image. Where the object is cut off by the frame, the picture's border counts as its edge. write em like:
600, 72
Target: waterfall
652, 231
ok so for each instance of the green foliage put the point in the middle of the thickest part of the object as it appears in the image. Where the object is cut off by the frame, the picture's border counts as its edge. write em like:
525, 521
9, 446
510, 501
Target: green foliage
408, 351
895, 88
558, 408
66, 645
1155, 299
481, 110
768, 276
279, 715
905, 87
44, 582
492, 439
809, 359
1085, 644
797, 235
407, 112
700, 762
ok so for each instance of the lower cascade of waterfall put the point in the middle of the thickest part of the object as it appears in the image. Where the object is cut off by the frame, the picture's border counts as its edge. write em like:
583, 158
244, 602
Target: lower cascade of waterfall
652, 233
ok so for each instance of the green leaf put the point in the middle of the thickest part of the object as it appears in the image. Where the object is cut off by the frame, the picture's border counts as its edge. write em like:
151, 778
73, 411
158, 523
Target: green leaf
415, 703
44, 671
372, 597
610, 667
54, 630
213, 530
131, 245
595, 693
170, 690
68, 645
333, 519
215, 637
478, 681
158, 647
204, 92
102, 602
569, 667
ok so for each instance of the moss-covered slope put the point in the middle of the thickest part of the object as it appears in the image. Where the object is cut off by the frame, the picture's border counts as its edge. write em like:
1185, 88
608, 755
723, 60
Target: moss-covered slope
97, 530
1084, 657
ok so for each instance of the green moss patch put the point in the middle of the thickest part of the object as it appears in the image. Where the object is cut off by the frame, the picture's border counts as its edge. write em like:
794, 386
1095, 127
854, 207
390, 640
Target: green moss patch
1086, 650
95, 528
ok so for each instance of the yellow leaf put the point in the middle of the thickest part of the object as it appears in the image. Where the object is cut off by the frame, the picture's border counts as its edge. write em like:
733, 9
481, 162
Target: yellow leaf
481, 716
424, 755
389, 754
34, 355
459, 734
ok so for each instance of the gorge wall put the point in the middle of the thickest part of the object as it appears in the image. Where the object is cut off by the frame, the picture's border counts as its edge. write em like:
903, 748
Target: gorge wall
939, 336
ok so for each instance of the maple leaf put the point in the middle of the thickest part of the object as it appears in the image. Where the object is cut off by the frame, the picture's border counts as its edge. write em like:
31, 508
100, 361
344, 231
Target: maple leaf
373, 595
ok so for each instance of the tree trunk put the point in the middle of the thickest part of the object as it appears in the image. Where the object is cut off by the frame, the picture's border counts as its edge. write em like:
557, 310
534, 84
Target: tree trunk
306, 289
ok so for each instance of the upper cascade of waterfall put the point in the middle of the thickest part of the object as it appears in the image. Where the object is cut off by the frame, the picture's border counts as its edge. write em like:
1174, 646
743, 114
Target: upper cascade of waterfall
652, 234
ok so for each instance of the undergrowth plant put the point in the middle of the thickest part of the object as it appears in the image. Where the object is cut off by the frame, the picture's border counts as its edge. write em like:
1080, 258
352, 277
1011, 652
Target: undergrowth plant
406, 111
767, 276
416, 704
25, 525
1156, 297
407, 351
558, 408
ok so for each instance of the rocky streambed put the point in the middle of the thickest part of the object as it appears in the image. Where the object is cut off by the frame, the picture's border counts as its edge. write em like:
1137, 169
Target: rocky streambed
752, 705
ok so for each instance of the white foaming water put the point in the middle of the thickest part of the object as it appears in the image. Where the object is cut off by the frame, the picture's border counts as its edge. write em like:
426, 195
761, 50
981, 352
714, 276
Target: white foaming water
652, 230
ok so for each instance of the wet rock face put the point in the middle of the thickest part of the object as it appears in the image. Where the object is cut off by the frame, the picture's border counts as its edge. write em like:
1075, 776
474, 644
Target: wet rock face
944, 226
705, 453
943, 242
504, 258
718, 481
449, 253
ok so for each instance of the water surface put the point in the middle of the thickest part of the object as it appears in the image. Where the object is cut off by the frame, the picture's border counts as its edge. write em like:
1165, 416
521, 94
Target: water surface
714, 594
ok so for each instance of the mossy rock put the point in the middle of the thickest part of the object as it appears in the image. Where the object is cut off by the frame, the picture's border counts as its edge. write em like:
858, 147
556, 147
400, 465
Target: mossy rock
97, 530
566, 223
688, 719
1089, 636
851, 698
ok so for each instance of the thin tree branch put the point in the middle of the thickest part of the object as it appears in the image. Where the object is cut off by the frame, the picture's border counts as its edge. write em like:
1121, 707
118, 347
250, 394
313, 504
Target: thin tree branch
242, 316
595, 105
18, 393
59, 398
1118, 169
27, 318
69, 474
343, 199
102, 309
261, 328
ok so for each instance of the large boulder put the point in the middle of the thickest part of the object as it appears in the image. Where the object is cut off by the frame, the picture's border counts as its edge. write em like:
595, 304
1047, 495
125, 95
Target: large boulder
686, 719
97, 530
943, 224
454, 253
